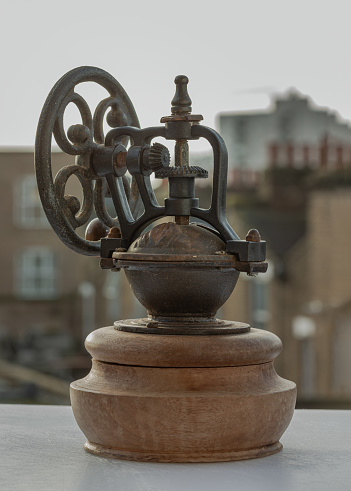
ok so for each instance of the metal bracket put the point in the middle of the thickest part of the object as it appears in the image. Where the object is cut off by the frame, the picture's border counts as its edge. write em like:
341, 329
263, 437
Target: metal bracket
108, 246
247, 250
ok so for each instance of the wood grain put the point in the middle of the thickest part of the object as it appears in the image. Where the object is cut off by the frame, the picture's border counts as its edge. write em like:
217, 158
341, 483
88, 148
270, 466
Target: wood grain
184, 414
125, 348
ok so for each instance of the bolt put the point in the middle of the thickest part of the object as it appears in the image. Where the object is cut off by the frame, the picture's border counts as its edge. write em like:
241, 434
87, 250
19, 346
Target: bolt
152, 324
114, 233
106, 263
96, 230
253, 235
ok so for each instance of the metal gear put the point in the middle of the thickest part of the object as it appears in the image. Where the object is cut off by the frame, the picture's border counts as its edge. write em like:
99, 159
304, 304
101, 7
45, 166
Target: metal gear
158, 157
184, 171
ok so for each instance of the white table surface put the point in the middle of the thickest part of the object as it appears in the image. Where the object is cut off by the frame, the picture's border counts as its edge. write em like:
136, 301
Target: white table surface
41, 448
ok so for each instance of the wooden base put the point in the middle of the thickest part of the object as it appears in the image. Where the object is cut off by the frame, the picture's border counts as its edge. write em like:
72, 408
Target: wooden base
253, 453
231, 405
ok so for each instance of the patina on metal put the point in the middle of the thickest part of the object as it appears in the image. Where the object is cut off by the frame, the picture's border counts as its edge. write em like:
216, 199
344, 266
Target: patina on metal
179, 385
103, 161
177, 271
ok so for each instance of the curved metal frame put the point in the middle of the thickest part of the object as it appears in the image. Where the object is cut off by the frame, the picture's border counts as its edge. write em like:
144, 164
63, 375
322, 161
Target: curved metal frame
65, 213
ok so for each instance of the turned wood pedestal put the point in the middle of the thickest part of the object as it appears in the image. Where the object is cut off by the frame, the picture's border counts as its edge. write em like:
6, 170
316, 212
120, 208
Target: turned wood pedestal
183, 398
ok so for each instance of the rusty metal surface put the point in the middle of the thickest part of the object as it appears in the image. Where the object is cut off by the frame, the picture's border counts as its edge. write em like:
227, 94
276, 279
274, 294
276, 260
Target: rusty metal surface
220, 260
180, 289
169, 238
176, 270
169, 244
182, 327
191, 118
101, 162
125, 260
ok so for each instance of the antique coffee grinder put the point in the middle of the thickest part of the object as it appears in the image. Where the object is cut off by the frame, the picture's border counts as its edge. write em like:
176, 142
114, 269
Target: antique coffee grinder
179, 385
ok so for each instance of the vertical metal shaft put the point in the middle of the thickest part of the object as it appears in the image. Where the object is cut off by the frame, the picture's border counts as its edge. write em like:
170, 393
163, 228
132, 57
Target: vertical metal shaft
181, 153
181, 159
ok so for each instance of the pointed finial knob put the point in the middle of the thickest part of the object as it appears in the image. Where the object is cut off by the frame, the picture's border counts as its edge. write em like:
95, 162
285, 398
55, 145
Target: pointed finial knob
181, 102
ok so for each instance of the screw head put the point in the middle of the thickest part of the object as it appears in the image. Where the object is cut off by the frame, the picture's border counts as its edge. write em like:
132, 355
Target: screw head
96, 230
253, 235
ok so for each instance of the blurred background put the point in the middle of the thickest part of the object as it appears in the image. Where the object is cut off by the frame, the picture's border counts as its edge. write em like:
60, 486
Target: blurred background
274, 79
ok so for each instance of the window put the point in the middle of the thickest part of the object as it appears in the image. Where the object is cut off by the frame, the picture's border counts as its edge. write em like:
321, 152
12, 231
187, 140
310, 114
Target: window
286, 127
29, 212
259, 304
241, 131
259, 298
36, 274
241, 142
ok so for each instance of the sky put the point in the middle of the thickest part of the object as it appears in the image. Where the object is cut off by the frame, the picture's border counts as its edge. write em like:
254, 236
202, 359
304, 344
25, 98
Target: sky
235, 53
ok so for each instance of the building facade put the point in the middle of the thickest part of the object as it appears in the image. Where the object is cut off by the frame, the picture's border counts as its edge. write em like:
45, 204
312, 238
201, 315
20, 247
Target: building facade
50, 296
305, 297
292, 132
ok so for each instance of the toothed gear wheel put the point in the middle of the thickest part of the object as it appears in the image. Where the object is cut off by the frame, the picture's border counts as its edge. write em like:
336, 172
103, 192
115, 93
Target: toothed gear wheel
159, 157
185, 171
